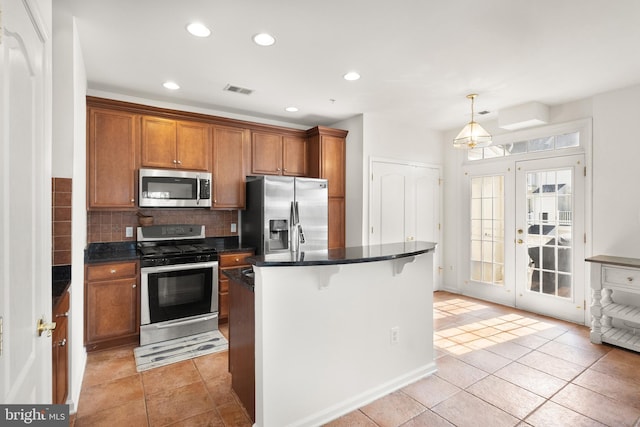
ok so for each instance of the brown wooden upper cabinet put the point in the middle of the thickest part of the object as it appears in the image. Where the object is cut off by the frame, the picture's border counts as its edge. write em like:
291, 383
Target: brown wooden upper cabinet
174, 144
230, 146
112, 142
275, 154
327, 159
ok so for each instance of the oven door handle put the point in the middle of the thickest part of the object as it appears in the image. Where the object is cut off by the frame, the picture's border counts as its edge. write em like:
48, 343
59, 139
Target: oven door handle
174, 267
185, 322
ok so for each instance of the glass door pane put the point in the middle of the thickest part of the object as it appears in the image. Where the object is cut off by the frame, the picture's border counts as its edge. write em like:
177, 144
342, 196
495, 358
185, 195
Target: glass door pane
549, 229
549, 237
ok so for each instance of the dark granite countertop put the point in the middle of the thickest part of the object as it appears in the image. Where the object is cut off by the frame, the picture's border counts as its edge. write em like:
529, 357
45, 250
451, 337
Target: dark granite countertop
60, 282
237, 249
126, 251
110, 251
352, 255
236, 275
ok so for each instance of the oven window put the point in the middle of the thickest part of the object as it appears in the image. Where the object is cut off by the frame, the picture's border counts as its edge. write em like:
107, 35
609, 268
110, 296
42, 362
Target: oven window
178, 294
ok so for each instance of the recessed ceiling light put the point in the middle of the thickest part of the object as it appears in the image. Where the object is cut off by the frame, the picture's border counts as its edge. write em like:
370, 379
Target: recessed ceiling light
264, 39
171, 85
199, 30
351, 75
291, 109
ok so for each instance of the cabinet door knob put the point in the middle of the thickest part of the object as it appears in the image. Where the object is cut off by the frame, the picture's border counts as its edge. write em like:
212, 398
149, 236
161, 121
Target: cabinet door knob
278, 169
175, 161
133, 200
179, 162
629, 279
134, 286
63, 342
113, 271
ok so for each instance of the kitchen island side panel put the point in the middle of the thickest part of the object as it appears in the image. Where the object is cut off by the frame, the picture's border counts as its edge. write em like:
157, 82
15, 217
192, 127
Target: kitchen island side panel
324, 343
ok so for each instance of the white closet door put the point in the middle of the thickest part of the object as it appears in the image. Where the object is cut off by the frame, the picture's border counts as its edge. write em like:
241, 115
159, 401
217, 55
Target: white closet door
25, 203
404, 204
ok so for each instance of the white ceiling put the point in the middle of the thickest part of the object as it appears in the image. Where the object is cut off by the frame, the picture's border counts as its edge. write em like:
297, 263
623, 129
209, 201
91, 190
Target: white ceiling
418, 58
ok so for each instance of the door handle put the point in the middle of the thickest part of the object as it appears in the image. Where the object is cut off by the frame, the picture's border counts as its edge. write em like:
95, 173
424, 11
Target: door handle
44, 326
520, 241
520, 231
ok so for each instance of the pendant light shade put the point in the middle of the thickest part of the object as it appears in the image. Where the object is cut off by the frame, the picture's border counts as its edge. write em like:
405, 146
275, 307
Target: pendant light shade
472, 135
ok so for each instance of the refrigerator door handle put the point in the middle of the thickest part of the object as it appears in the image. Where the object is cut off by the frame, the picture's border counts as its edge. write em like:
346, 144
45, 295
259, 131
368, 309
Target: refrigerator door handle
300, 234
294, 220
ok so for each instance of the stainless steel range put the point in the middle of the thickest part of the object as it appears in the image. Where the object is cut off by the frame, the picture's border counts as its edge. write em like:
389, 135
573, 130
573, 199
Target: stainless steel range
179, 282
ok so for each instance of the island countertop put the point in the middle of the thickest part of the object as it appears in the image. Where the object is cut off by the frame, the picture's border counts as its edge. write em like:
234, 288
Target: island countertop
350, 255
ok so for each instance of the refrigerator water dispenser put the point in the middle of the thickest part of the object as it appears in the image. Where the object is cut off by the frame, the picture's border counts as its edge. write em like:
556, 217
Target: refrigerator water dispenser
278, 234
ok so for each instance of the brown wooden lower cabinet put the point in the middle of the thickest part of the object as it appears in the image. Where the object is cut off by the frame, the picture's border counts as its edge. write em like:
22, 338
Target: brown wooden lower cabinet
60, 351
242, 345
225, 261
112, 305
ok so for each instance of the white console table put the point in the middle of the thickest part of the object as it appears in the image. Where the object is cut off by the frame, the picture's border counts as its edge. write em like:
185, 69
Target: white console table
608, 274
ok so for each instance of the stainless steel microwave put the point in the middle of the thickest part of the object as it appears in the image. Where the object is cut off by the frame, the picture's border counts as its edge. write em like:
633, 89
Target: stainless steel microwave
163, 188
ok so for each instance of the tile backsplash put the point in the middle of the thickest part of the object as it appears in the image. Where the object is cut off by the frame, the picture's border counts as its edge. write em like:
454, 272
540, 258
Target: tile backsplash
61, 221
110, 226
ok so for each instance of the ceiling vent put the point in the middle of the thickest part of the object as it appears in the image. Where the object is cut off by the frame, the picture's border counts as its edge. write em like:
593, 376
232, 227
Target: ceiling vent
238, 89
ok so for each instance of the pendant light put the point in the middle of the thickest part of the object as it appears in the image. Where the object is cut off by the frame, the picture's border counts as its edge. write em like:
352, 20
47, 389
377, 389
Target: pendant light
472, 135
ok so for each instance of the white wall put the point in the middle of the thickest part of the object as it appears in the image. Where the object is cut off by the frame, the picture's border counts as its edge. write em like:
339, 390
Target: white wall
616, 173
69, 161
185, 107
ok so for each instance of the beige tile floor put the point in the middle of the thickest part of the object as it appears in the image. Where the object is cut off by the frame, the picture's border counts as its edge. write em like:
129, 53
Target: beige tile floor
497, 366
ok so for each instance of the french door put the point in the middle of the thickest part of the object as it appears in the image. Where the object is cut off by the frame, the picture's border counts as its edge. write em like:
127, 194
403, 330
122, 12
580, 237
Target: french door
526, 243
550, 235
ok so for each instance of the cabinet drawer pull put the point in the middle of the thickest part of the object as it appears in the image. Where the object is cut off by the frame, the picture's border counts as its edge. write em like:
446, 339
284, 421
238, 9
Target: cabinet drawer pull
113, 271
65, 314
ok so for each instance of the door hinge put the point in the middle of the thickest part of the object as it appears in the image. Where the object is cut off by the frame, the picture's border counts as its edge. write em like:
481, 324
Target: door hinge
1, 320
585, 237
371, 177
439, 181
439, 225
585, 171
371, 230
584, 304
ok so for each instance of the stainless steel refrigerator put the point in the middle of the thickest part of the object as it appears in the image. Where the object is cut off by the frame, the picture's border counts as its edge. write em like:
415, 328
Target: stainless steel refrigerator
285, 214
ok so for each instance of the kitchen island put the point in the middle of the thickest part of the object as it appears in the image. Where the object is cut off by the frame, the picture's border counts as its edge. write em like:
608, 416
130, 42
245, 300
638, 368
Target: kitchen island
337, 329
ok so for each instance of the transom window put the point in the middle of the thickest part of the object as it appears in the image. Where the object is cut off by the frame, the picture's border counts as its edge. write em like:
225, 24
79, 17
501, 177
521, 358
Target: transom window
548, 143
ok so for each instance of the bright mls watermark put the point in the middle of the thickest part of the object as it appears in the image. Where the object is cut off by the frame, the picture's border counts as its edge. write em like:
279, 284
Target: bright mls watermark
34, 415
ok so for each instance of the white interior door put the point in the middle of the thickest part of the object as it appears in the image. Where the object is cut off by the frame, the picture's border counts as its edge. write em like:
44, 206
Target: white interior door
550, 230
405, 204
25, 197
